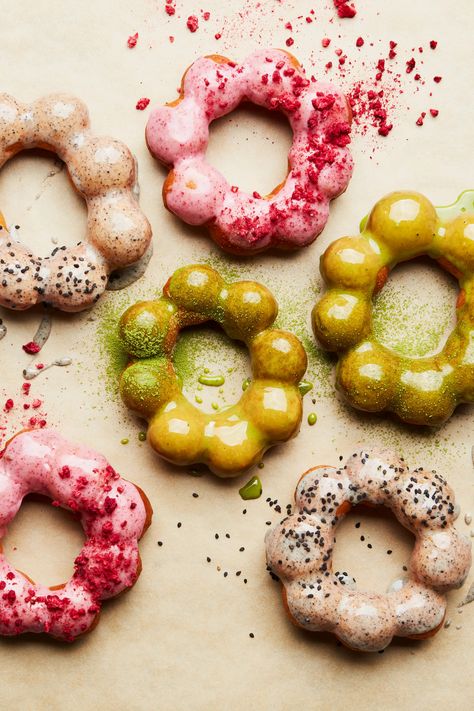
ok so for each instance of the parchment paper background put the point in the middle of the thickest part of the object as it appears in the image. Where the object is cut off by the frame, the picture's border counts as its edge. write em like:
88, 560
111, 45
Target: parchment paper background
180, 639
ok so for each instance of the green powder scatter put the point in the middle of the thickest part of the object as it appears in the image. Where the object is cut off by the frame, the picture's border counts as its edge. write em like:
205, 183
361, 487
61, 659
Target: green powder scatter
204, 347
113, 356
413, 321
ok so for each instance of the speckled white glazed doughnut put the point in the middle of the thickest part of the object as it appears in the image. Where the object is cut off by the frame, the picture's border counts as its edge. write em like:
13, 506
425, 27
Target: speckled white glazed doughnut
300, 548
320, 165
103, 171
113, 512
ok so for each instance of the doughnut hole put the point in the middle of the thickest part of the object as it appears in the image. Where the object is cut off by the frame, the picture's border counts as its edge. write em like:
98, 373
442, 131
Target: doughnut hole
43, 541
274, 409
340, 320
99, 165
196, 288
351, 263
365, 622
234, 447
457, 244
249, 308
367, 376
441, 559
278, 355
145, 328
148, 385
405, 222
176, 433
425, 394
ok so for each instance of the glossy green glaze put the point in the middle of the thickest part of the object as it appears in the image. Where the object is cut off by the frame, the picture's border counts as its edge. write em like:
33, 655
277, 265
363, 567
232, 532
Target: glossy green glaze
252, 489
401, 226
270, 409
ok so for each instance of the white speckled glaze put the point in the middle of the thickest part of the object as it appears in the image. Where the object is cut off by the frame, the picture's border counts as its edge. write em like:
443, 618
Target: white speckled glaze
320, 165
113, 512
103, 171
300, 548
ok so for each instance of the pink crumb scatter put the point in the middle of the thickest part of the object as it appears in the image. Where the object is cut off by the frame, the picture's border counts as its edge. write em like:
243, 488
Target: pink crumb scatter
142, 104
31, 347
192, 23
132, 41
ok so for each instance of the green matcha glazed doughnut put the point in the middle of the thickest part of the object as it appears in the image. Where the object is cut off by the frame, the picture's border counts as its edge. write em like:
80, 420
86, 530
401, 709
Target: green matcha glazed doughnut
401, 226
270, 409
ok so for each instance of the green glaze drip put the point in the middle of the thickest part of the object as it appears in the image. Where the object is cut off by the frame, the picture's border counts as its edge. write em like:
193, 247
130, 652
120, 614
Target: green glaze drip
304, 387
252, 489
214, 381
125, 440
198, 399
312, 417
246, 383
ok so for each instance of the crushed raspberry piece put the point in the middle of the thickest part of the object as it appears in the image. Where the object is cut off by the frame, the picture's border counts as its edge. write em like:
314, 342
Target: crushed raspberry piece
234, 189
132, 40
433, 44
170, 10
325, 42
324, 102
359, 42
9, 404
217, 36
64, 472
385, 128
344, 9
288, 26
420, 119
171, 39
142, 104
109, 505
290, 41
434, 112
26, 387
39, 366
309, 20
35, 404
410, 65
31, 347
437, 79
206, 16
192, 23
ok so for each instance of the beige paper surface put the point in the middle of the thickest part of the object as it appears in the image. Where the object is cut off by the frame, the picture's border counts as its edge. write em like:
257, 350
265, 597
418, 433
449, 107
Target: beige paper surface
180, 639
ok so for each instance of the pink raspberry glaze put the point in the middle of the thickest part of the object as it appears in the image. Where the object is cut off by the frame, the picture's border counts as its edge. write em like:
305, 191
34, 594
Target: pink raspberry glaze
320, 165
112, 511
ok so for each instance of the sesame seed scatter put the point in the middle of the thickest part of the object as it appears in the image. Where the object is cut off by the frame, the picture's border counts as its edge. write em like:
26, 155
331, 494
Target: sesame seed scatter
300, 550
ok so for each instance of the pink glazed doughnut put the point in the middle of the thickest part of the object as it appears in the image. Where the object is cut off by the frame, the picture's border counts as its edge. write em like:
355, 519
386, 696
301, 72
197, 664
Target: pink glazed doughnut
320, 165
300, 551
114, 515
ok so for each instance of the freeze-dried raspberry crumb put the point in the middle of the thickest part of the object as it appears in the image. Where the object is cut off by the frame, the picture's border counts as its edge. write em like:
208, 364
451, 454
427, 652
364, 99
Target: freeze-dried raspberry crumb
170, 10
142, 104
288, 26
344, 9
359, 42
192, 23
217, 36
433, 44
434, 112
31, 347
437, 79
289, 41
132, 40
26, 387
325, 42
206, 16
410, 65
35, 404
385, 128
9, 404
420, 119
171, 39
309, 20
